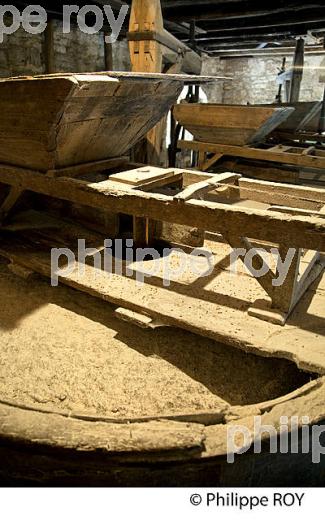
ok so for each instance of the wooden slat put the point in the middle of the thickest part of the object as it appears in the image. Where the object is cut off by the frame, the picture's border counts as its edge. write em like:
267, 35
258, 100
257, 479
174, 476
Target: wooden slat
204, 187
296, 211
93, 167
300, 192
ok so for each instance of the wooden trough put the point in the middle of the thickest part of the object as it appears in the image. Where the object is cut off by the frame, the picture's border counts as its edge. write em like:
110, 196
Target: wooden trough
60, 120
230, 124
304, 120
290, 152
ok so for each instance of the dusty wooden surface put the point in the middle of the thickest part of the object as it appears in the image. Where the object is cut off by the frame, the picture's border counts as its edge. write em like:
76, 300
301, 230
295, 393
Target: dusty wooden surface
215, 306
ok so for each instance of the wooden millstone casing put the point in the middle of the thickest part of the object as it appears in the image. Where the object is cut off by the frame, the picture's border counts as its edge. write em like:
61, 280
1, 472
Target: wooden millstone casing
230, 124
55, 121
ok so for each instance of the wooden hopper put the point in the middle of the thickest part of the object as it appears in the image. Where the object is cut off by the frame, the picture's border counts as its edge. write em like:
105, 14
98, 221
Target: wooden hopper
230, 124
54, 121
305, 117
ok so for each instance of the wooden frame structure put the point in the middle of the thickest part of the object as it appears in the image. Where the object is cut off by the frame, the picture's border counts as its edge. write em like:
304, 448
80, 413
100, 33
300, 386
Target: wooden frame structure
294, 217
304, 157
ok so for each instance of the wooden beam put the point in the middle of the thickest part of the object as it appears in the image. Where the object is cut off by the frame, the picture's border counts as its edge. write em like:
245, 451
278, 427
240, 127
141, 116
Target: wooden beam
285, 29
10, 201
296, 232
232, 10
200, 189
108, 54
302, 192
298, 70
191, 62
306, 161
225, 53
92, 167
146, 56
293, 17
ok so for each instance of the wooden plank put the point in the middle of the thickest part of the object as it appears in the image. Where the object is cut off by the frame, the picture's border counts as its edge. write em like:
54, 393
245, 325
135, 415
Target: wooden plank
295, 211
312, 272
211, 162
12, 198
262, 170
202, 188
260, 194
255, 153
299, 232
92, 167
283, 297
152, 441
143, 175
300, 192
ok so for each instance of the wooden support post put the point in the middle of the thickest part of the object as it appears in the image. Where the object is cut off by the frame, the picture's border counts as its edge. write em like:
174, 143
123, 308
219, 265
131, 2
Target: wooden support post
201, 159
49, 48
210, 162
283, 296
298, 70
146, 56
9, 202
108, 54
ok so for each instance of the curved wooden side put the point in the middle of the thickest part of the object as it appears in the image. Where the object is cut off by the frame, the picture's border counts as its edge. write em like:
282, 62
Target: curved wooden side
47, 449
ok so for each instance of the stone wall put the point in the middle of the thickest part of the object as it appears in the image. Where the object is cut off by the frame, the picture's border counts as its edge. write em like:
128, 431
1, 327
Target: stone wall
254, 79
121, 56
22, 53
77, 51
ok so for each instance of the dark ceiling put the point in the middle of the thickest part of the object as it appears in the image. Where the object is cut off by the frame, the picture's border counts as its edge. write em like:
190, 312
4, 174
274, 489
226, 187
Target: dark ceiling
240, 25
230, 27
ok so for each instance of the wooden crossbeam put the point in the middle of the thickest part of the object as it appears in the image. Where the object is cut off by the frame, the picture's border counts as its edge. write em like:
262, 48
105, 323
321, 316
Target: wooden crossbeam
284, 157
10, 201
208, 163
92, 167
202, 188
296, 232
